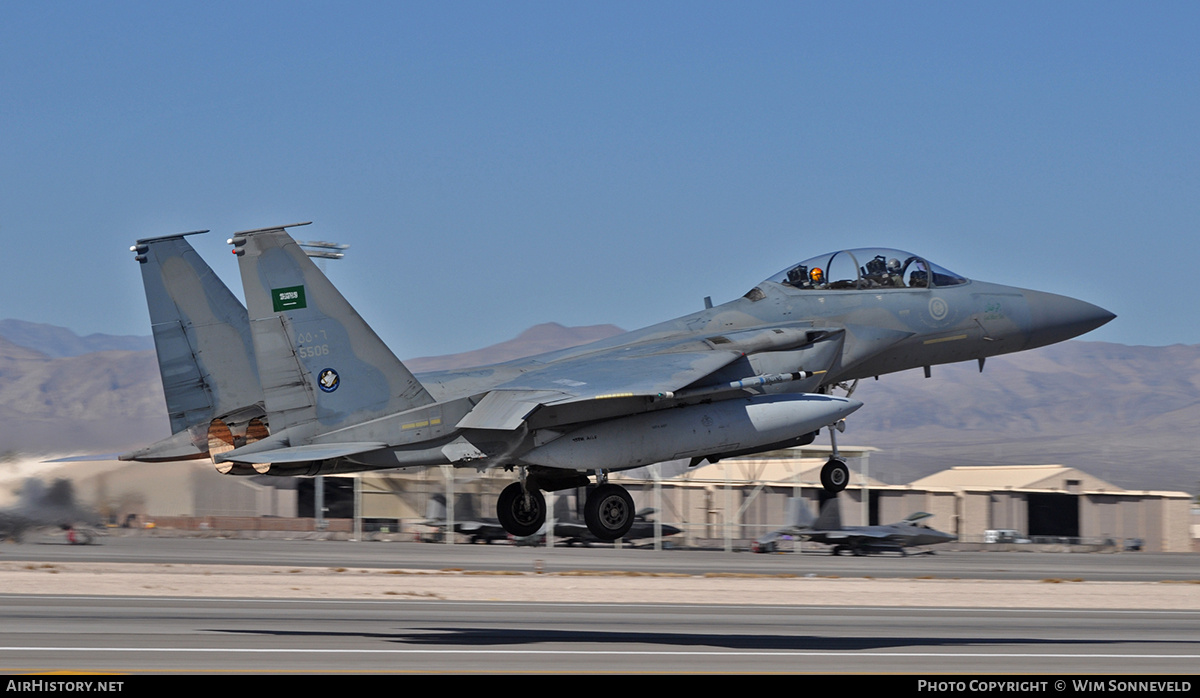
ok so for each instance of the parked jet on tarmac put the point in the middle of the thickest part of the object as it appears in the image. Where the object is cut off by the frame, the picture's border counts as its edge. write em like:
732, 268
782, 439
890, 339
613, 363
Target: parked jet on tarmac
568, 529
859, 540
465, 520
296, 383
53, 506
571, 531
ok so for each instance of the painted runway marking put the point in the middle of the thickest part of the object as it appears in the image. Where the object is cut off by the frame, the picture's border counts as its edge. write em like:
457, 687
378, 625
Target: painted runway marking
309, 603
618, 653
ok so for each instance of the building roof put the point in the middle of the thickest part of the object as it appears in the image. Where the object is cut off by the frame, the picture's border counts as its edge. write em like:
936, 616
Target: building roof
806, 471
1044, 477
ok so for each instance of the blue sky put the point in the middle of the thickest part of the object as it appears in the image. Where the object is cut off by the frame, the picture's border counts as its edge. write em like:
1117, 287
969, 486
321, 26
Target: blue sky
496, 165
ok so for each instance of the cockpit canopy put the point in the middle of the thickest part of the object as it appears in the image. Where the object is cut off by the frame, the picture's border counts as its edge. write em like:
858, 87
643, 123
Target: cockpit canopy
866, 268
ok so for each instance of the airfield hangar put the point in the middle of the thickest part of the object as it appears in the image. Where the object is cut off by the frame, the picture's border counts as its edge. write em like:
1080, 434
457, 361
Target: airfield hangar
724, 504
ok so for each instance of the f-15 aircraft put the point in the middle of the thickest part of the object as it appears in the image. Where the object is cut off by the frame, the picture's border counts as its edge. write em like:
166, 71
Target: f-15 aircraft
858, 540
297, 383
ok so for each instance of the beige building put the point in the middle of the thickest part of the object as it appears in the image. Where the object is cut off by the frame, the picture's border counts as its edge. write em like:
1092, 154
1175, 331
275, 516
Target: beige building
1057, 501
727, 503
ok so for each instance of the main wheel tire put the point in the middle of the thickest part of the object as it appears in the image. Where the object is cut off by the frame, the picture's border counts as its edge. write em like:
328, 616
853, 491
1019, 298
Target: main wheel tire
835, 475
519, 515
609, 512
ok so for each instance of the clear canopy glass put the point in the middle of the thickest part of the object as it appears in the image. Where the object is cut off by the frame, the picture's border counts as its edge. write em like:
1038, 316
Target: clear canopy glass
866, 268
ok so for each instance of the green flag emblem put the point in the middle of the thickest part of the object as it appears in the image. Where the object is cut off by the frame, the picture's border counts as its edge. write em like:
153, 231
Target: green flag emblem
290, 298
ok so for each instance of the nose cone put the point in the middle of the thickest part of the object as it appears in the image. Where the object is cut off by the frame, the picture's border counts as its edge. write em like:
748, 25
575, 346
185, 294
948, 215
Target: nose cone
932, 537
1055, 318
844, 407
946, 537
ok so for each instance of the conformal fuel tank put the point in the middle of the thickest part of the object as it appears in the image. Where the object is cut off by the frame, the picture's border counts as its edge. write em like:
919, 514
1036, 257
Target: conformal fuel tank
693, 430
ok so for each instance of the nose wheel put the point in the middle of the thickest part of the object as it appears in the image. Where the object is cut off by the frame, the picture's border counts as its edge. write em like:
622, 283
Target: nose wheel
835, 475
609, 512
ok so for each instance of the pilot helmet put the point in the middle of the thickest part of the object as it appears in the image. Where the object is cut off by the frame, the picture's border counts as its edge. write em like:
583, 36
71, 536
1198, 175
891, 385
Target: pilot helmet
894, 265
816, 275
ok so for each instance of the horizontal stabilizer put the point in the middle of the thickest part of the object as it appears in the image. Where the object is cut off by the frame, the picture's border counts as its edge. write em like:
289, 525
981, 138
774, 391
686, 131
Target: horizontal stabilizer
85, 459
301, 454
180, 446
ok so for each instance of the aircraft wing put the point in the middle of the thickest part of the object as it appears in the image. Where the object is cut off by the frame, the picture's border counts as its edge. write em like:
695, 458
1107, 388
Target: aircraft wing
864, 534
617, 375
573, 530
299, 454
868, 538
575, 386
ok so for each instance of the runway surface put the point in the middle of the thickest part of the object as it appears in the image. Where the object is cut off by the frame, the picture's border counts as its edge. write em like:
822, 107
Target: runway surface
253, 635
135, 632
1095, 567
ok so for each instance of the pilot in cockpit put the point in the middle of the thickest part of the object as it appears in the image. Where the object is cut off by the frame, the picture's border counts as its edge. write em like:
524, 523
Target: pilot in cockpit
801, 277
883, 272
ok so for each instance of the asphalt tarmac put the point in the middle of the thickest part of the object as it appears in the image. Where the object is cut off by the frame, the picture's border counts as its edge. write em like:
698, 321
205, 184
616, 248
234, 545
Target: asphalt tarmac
252, 627
1111, 567
171, 635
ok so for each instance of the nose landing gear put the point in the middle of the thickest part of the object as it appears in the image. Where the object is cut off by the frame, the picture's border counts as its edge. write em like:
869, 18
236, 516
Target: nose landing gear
835, 474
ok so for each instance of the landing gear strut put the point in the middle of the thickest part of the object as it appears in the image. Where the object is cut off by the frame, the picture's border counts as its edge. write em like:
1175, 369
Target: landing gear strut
609, 511
835, 475
521, 509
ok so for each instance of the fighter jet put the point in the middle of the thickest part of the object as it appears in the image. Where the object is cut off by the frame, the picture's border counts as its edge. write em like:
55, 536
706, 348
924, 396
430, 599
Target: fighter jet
858, 540
568, 528
466, 521
571, 531
53, 506
303, 386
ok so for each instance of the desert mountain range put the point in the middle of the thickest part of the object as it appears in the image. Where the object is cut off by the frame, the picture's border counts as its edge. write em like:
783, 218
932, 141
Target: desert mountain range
1128, 414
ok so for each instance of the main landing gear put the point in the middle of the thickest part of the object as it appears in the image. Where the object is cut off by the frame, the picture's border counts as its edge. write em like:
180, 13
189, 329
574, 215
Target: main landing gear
521, 510
608, 512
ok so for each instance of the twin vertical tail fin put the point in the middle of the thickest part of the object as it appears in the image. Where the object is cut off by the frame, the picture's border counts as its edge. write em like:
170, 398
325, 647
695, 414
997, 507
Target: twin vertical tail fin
798, 514
205, 353
830, 518
318, 362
